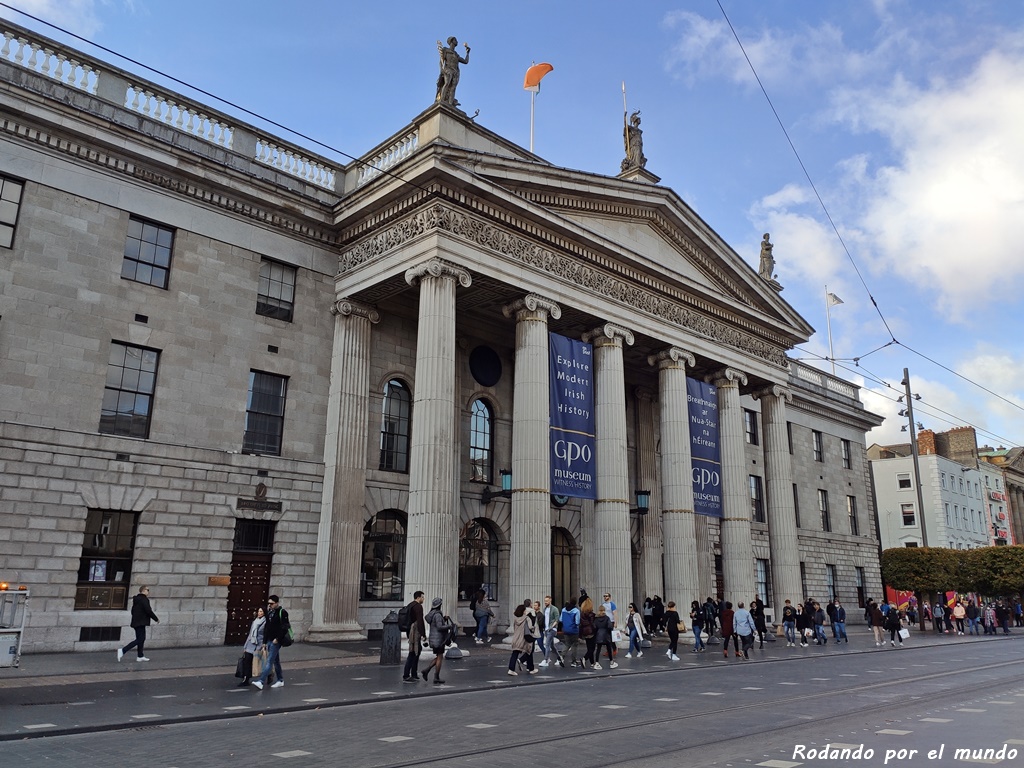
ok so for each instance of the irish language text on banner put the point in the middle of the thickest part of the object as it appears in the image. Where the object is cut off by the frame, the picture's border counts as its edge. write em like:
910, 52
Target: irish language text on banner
573, 469
704, 448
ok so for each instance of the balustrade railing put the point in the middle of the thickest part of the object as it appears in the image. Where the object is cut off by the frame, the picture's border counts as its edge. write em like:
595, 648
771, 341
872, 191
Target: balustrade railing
184, 117
49, 62
388, 157
822, 379
291, 162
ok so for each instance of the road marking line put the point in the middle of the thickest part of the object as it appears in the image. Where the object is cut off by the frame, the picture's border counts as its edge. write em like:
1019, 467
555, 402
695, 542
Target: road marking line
552, 715
313, 701
39, 725
381, 693
144, 717
396, 738
666, 699
231, 709
971, 710
613, 706
936, 720
778, 764
482, 725
292, 753
893, 732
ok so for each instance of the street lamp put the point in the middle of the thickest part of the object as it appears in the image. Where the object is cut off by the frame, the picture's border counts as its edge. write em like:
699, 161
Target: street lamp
506, 488
643, 503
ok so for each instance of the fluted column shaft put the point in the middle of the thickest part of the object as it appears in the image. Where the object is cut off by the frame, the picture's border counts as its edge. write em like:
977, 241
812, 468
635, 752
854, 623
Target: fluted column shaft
651, 575
530, 574
737, 551
340, 533
677, 517
432, 551
782, 533
612, 554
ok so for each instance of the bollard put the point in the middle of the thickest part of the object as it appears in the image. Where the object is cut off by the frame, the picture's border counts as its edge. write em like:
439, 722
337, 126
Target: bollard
391, 640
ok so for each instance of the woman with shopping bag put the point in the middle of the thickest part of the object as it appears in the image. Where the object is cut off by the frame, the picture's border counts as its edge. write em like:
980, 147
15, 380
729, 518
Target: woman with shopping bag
253, 643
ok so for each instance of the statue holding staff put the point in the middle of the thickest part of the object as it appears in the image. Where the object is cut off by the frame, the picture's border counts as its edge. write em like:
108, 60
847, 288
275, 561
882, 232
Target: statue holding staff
633, 138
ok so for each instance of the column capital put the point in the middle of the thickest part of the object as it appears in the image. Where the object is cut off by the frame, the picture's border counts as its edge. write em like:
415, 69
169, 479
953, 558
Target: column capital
438, 268
644, 393
532, 304
727, 376
346, 307
774, 390
609, 331
672, 357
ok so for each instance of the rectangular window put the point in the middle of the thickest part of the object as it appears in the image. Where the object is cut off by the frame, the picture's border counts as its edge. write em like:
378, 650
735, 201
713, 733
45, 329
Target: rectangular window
789, 436
830, 578
819, 448
796, 504
105, 568
128, 396
264, 413
851, 511
986, 481
826, 521
949, 522
756, 499
903, 480
907, 512
10, 203
750, 426
763, 581
942, 479
147, 253
961, 485
859, 575
847, 460
276, 294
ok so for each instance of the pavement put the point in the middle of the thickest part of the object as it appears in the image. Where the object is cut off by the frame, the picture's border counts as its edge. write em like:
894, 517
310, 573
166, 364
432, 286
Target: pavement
67, 693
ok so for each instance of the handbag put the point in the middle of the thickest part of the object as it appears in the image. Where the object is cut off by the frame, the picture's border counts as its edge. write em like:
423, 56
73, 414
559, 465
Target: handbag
808, 633
240, 667
681, 626
904, 633
616, 636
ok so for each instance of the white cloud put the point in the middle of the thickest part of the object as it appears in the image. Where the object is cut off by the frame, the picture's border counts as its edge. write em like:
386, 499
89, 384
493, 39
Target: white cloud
78, 16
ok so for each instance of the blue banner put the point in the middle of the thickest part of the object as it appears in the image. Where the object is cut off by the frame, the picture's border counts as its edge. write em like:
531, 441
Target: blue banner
705, 454
573, 466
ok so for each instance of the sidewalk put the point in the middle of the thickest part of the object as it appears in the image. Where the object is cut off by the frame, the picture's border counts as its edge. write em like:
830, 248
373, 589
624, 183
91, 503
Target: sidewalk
62, 693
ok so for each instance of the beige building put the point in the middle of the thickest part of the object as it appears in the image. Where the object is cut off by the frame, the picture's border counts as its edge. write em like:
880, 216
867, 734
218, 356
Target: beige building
230, 366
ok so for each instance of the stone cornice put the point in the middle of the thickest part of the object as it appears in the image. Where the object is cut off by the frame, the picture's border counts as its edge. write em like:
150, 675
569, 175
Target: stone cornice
438, 268
109, 162
627, 288
533, 304
346, 307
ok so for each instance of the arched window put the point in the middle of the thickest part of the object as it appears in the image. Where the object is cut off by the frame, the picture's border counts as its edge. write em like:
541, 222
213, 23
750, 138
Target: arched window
394, 427
478, 560
481, 442
383, 574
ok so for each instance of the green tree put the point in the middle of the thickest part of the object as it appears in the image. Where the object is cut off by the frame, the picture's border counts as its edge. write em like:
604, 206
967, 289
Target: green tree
922, 570
999, 570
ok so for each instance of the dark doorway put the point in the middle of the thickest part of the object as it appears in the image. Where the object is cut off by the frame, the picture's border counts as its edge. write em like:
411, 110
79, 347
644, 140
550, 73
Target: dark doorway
251, 559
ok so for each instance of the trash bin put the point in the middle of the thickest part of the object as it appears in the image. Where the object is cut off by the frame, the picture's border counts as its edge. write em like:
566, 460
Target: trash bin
391, 640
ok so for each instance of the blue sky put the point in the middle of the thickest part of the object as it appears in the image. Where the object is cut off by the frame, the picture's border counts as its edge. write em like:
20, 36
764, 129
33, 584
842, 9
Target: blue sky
907, 115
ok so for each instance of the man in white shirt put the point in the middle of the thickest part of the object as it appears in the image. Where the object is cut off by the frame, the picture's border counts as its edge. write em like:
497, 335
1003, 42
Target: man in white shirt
550, 614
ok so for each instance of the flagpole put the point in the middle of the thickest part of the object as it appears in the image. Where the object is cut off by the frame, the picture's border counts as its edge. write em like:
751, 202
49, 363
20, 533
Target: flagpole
828, 321
533, 97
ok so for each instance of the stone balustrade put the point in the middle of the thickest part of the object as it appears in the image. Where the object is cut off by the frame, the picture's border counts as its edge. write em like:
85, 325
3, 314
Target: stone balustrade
388, 157
62, 66
294, 163
184, 117
824, 380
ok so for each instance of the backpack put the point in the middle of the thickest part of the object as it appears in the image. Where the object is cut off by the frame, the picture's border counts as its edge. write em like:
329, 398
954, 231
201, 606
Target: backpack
405, 618
709, 614
288, 637
450, 630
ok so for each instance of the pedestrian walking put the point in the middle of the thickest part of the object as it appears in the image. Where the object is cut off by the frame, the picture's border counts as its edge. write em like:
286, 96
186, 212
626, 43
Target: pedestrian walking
757, 614
603, 638
744, 626
710, 617
938, 613
672, 620
548, 627
658, 614
649, 615
252, 645
830, 611
483, 614
570, 620
805, 624
587, 631
437, 636
636, 629
972, 613
524, 630
275, 631
877, 622
726, 617
417, 636
989, 621
959, 614
839, 622
894, 624
819, 626
788, 624
142, 614
697, 624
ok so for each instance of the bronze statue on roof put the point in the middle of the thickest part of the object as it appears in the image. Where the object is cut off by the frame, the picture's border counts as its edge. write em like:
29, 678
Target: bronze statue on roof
448, 79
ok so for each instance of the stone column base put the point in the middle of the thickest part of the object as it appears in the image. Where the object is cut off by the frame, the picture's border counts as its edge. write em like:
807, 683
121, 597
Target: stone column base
333, 633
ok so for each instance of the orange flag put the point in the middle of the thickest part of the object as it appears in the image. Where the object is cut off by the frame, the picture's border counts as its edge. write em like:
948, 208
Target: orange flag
534, 75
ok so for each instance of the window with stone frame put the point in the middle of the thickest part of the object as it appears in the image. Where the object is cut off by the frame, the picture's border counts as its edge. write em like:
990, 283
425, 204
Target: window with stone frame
105, 567
396, 422
127, 406
817, 442
847, 457
756, 499
907, 514
275, 296
750, 426
10, 204
264, 413
859, 575
830, 579
383, 570
763, 581
851, 512
826, 520
147, 253
481, 442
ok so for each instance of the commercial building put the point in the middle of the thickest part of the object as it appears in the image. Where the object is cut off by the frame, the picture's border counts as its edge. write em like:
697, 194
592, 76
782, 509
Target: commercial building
231, 366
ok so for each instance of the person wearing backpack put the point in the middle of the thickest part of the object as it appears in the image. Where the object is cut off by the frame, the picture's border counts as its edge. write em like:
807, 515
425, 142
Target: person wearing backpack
437, 637
570, 621
276, 632
416, 631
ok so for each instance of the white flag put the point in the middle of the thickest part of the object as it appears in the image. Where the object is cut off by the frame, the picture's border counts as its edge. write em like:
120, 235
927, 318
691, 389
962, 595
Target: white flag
833, 300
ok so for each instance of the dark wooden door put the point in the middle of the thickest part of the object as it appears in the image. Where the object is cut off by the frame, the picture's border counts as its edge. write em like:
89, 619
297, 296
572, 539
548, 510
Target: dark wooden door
250, 585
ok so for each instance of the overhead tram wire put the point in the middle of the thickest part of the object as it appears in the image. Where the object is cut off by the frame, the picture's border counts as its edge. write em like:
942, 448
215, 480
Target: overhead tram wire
227, 102
824, 208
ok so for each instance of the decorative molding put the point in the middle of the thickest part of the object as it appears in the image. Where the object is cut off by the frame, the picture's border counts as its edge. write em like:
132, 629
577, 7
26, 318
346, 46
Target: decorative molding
570, 270
532, 303
438, 268
610, 331
774, 390
671, 357
346, 307
727, 376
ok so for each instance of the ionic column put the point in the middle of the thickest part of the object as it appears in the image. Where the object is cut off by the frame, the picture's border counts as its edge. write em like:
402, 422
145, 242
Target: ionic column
432, 550
679, 535
782, 534
530, 574
612, 556
340, 535
737, 552
651, 576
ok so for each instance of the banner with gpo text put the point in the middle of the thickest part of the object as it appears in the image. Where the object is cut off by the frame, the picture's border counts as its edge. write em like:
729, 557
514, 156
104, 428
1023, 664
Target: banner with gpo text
571, 371
705, 452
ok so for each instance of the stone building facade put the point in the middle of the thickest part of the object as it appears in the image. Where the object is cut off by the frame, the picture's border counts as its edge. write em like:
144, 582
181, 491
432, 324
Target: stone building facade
229, 367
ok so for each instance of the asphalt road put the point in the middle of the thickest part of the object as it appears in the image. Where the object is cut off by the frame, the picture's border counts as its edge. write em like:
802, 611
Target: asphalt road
778, 711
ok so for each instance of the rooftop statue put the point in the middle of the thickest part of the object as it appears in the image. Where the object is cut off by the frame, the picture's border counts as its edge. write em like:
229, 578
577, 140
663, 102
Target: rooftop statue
767, 266
634, 141
448, 80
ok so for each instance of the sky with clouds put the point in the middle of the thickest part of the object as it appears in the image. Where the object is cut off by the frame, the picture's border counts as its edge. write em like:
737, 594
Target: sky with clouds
907, 117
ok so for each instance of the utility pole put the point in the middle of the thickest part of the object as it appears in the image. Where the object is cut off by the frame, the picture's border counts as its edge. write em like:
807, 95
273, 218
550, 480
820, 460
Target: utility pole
914, 453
